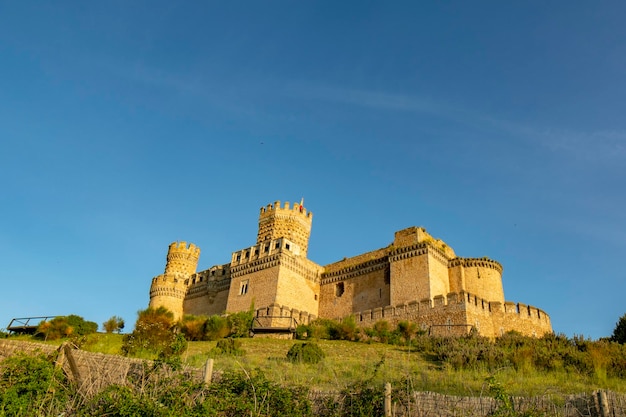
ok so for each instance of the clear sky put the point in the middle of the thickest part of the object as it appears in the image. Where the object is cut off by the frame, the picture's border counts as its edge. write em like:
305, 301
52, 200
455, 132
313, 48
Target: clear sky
498, 126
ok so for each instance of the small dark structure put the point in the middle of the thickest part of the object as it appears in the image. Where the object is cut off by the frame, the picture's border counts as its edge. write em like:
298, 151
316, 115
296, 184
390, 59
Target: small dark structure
27, 325
274, 326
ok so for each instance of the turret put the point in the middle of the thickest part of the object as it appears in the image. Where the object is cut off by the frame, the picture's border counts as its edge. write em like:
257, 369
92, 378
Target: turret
182, 261
169, 290
293, 223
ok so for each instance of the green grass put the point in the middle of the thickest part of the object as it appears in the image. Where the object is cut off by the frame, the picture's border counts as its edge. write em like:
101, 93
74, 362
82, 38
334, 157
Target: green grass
347, 363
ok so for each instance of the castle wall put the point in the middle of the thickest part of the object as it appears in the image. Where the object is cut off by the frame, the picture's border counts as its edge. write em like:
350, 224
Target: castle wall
409, 276
169, 292
522, 318
477, 276
418, 272
479, 314
255, 288
440, 315
457, 313
437, 272
456, 277
298, 284
205, 303
207, 293
276, 315
355, 288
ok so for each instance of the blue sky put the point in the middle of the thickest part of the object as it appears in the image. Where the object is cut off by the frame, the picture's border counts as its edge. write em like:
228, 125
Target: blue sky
497, 126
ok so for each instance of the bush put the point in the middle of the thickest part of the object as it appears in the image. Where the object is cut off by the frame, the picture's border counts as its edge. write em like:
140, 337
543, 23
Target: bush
81, 326
305, 353
407, 330
29, 385
382, 331
240, 323
303, 331
217, 327
345, 329
235, 394
228, 346
114, 324
155, 332
251, 393
619, 333
65, 326
193, 327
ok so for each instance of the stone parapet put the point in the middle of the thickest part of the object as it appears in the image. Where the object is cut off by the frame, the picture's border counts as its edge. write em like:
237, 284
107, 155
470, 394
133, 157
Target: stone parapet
455, 310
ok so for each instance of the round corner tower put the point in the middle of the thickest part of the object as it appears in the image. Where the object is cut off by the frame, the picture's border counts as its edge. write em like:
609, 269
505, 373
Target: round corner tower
293, 223
169, 290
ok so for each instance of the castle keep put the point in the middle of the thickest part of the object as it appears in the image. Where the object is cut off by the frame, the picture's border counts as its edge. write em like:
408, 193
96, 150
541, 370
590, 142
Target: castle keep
416, 278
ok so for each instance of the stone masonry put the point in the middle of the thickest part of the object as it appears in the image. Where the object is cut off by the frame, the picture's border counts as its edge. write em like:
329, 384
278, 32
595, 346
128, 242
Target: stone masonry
416, 278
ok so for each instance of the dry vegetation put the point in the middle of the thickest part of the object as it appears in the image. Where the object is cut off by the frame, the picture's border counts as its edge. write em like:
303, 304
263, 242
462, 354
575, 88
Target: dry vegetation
347, 363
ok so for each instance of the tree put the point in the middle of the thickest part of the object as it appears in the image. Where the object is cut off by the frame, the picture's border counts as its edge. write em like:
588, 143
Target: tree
114, 324
81, 326
155, 331
619, 334
65, 326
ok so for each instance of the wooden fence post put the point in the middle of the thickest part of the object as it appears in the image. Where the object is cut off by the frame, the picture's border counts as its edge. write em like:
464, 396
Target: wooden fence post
208, 371
387, 403
67, 350
603, 403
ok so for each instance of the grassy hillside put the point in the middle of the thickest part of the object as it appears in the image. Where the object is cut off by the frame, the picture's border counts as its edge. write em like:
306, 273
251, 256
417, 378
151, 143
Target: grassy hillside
347, 363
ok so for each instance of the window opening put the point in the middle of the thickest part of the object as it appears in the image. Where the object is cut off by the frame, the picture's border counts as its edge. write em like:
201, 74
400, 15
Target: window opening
243, 289
339, 289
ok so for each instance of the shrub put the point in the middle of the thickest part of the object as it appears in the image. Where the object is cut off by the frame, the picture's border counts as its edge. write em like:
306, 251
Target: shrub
407, 330
345, 329
305, 353
65, 326
215, 328
81, 326
240, 323
228, 346
251, 393
155, 332
235, 394
319, 328
114, 324
382, 331
619, 333
193, 327
29, 385
303, 332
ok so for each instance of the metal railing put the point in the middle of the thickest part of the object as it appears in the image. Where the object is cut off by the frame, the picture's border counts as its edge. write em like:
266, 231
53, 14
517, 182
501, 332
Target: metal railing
27, 324
274, 324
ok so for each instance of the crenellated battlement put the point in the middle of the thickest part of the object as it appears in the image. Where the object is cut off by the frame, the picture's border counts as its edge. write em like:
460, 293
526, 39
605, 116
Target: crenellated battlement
459, 312
291, 222
296, 208
182, 259
476, 262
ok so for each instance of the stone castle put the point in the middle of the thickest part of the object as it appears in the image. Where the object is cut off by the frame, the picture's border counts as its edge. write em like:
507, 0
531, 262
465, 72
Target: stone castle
416, 278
